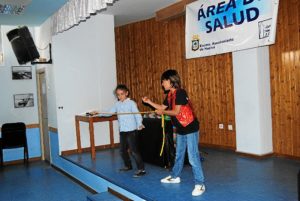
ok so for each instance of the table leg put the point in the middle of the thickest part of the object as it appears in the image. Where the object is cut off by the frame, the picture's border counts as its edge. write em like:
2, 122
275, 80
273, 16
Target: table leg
92, 139
79, 150
111, 133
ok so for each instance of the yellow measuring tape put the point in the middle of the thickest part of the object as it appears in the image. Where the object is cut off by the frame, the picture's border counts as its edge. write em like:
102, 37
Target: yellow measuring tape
147, 112
124, 113
164, 134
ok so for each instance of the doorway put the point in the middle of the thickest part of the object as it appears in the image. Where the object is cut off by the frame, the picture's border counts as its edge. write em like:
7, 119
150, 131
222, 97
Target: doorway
43, 114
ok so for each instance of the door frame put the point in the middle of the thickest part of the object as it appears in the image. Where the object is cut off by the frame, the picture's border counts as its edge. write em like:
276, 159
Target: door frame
40, 114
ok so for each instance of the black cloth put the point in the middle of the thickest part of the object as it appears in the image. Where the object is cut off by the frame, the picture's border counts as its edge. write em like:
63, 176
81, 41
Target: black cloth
128, 140
182, 99
150, 142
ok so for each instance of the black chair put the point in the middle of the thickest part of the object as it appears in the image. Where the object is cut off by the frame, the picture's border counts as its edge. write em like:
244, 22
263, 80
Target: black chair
13, 136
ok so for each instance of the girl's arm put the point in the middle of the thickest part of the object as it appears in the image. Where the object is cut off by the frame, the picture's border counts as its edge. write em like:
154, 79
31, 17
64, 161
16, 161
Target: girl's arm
155, 105
172, 112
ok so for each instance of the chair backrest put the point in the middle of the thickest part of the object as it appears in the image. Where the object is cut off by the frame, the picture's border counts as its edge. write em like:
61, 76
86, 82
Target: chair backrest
13, 135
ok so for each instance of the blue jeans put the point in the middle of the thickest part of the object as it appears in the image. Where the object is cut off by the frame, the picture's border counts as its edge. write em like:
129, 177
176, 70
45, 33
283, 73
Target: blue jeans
191, 142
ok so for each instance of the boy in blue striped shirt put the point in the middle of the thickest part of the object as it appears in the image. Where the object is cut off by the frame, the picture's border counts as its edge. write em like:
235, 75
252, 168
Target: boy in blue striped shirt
128, 125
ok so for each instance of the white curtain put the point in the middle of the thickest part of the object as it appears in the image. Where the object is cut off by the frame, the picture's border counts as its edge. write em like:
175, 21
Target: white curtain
75, 11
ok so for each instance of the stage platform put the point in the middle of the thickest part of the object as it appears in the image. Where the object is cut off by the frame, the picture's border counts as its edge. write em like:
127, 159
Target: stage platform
229, 177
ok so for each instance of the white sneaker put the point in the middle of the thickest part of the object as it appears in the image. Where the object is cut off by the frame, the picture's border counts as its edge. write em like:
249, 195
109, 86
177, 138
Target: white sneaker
198, 190
170, 180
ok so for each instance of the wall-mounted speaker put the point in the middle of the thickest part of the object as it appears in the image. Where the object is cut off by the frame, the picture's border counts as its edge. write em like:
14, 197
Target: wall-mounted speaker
23, 45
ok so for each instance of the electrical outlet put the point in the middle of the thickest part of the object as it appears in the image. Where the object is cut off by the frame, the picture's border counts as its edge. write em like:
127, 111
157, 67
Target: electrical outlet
221, 126
230, 127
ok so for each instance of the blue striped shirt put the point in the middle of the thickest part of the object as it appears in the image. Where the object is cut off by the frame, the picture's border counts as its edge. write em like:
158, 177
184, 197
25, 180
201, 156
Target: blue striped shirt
127, 122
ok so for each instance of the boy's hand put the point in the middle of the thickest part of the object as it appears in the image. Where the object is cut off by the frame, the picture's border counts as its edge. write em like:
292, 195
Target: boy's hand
141, 127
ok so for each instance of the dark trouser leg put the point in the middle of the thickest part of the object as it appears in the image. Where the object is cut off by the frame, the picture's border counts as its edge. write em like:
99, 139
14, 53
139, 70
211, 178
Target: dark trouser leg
169, 149
124, 149
132, 142
299, 185
1, 157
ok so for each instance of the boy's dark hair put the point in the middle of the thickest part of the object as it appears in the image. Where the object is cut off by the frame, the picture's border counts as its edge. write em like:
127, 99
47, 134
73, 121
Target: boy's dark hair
122, 87
173, 76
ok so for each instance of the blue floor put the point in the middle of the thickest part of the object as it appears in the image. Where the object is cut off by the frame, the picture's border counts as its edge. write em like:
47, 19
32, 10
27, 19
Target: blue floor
229, 177
38, 182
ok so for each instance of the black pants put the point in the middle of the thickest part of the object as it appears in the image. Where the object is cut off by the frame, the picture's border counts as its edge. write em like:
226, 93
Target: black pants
299, 185
128, 140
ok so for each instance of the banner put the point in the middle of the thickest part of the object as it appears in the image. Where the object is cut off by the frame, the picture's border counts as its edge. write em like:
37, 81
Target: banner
220, 26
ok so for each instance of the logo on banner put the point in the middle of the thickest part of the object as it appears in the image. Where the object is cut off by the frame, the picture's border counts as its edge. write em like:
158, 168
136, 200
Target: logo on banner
195, 42
264, 28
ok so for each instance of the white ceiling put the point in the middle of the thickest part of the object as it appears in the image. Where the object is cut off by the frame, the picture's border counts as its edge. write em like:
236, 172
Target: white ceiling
35, 13
128, 11
125, 11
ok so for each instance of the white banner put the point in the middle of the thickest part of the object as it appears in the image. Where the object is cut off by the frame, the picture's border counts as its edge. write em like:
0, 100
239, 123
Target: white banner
219, 26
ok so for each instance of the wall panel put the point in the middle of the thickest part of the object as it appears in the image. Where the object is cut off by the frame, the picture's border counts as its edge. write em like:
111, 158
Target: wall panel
285, 80
146, 49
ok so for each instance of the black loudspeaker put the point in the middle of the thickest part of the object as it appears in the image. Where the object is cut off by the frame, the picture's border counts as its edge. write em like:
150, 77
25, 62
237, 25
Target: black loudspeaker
23, 45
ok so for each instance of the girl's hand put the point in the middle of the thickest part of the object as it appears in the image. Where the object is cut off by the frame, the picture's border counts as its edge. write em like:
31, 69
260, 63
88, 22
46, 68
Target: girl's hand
159, 112
146, 99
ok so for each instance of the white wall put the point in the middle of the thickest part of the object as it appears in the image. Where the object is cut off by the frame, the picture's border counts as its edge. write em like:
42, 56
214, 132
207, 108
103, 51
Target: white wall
252, 101
9, 87
43, 37
85, 76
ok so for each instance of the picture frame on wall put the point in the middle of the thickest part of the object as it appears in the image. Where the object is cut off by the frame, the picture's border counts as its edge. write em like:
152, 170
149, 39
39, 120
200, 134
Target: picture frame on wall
21, 72
23, 100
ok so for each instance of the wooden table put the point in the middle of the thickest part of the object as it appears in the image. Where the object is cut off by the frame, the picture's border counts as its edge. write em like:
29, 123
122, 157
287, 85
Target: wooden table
91, 120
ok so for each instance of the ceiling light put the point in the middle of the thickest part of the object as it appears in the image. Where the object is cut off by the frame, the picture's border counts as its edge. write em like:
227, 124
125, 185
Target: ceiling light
13, 7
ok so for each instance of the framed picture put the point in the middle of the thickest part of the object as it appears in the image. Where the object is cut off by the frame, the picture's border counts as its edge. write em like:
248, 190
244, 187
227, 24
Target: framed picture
23, 100
21, 72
